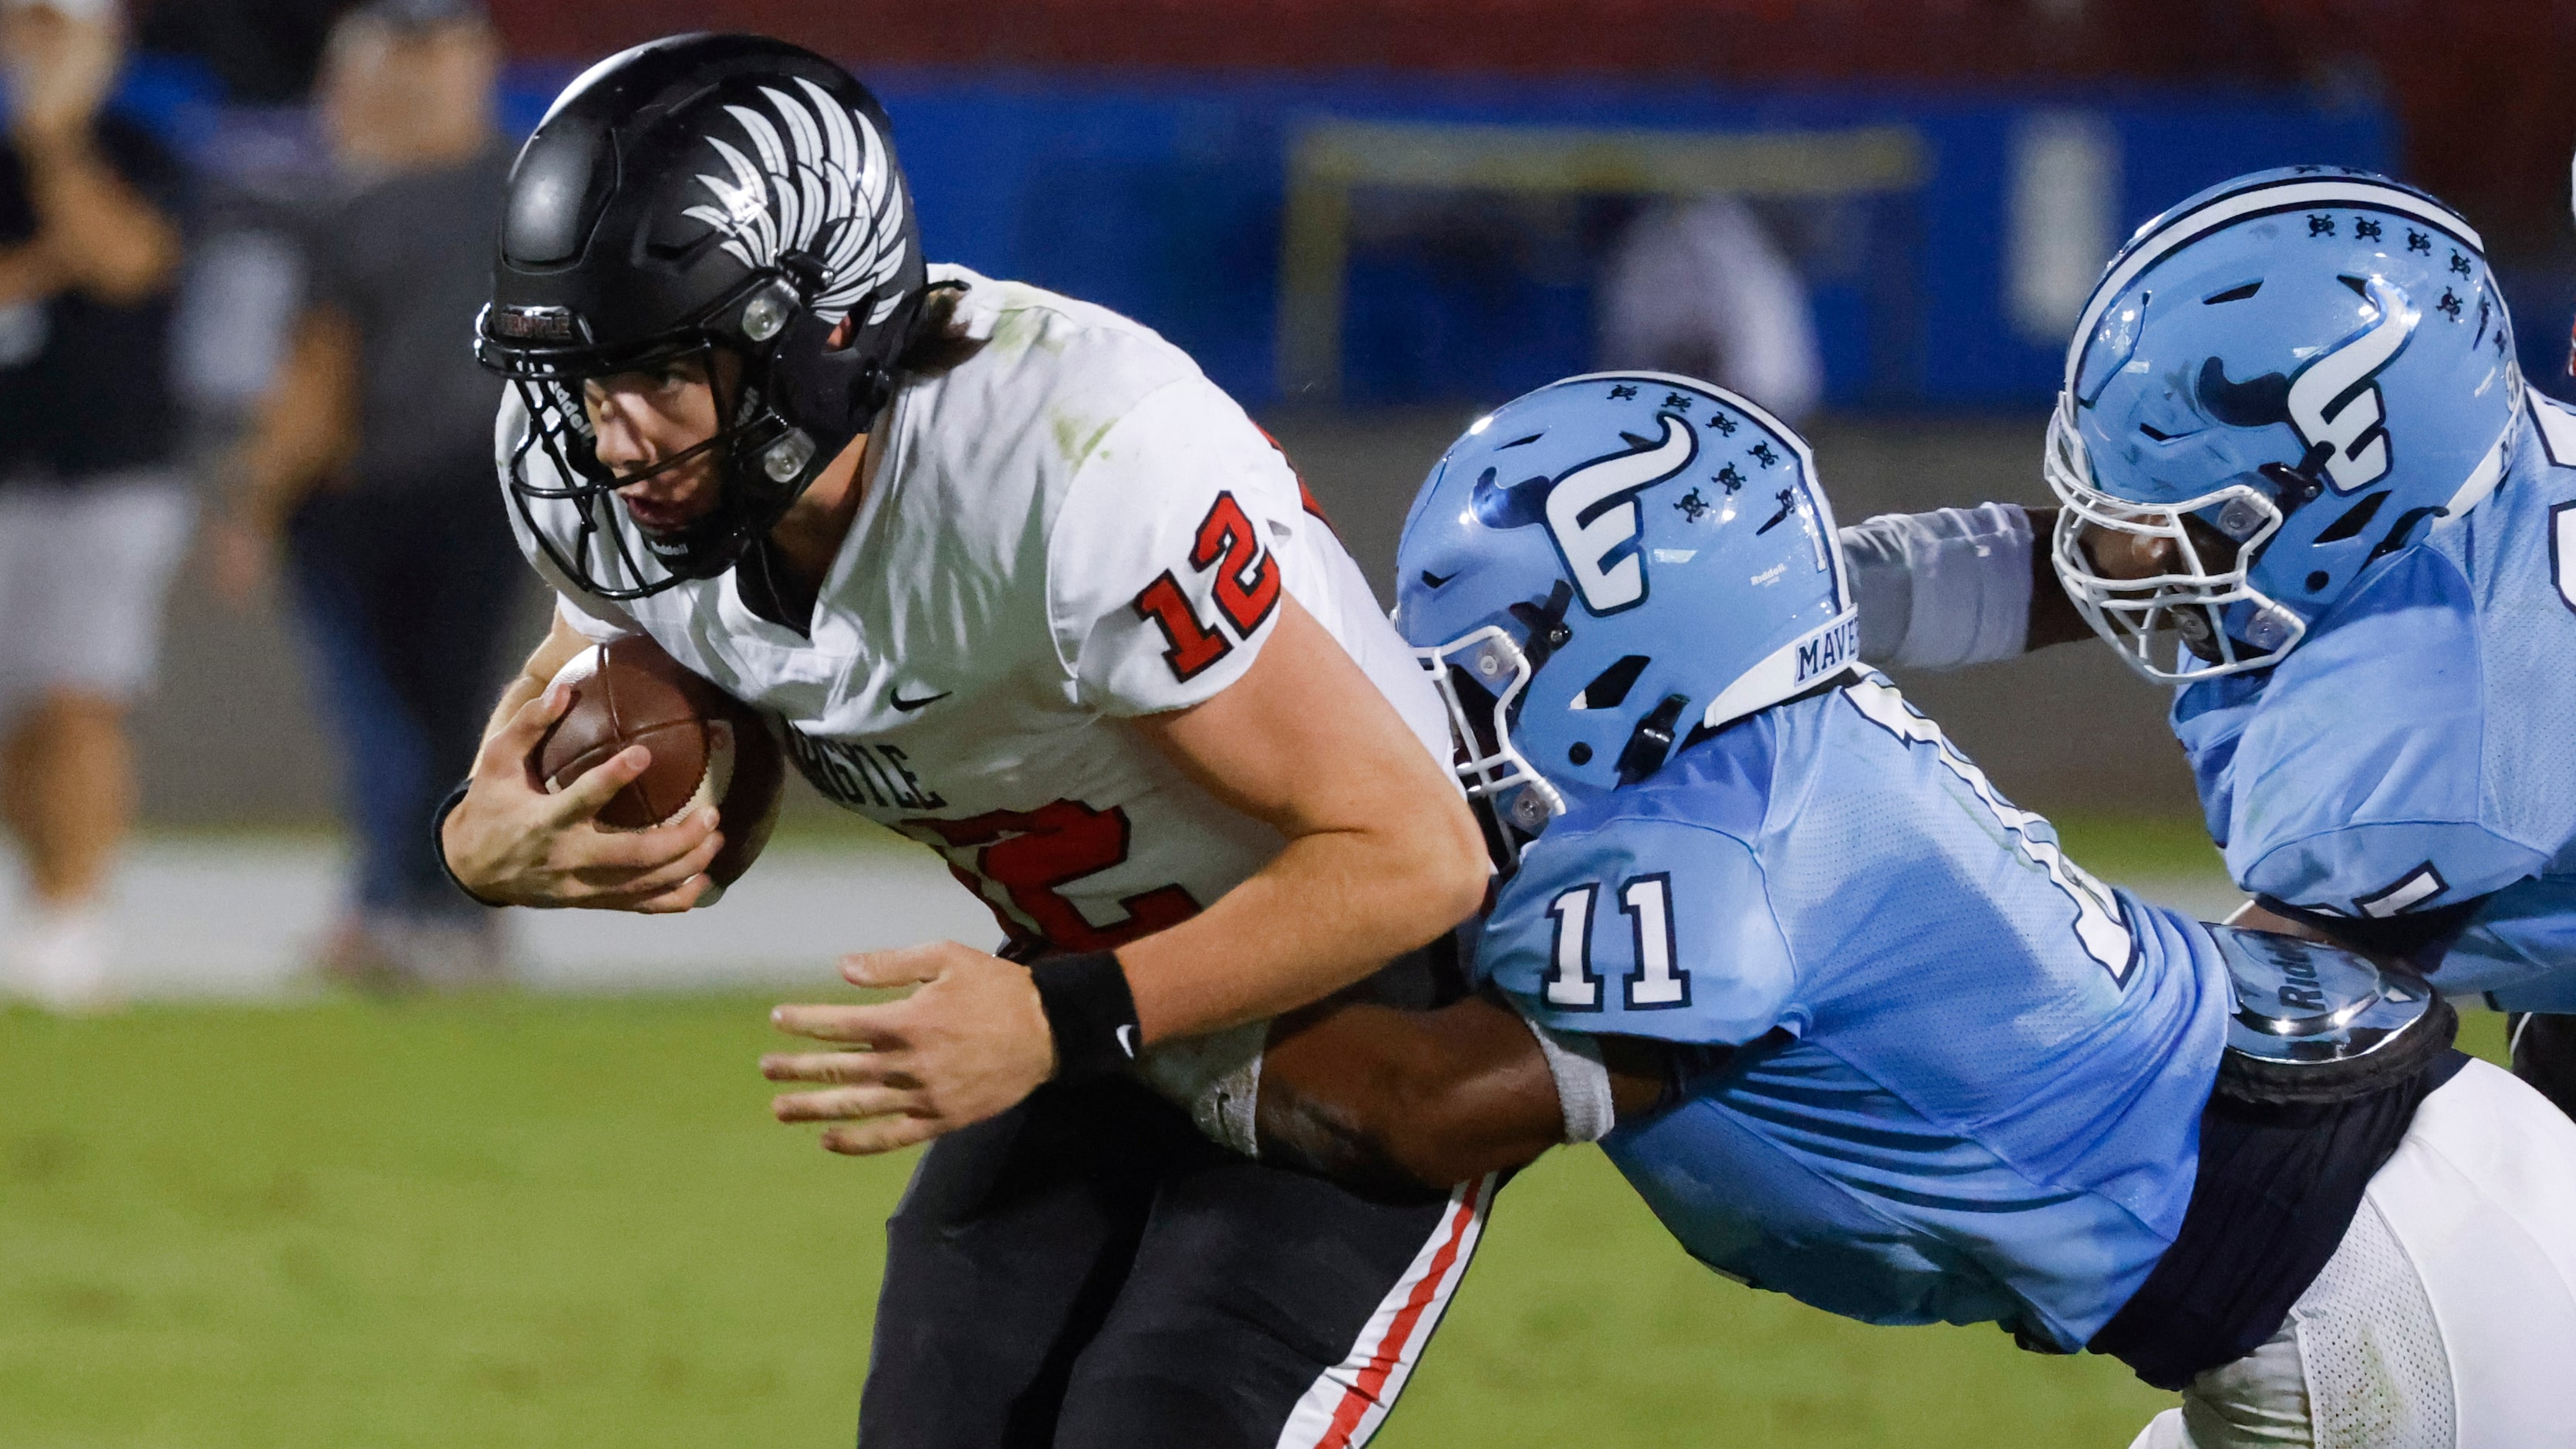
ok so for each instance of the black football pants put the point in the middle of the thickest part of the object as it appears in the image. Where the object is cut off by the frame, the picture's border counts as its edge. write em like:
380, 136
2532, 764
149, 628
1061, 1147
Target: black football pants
1086, 1271
2544, 1055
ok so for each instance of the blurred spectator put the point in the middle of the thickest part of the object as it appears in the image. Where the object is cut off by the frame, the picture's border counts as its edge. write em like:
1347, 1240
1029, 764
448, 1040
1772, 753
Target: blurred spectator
92, 513
371, 460
1699, 288
264, 52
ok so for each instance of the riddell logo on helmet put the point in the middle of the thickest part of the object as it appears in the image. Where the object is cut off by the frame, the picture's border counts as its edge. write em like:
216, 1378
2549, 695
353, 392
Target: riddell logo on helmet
537, 324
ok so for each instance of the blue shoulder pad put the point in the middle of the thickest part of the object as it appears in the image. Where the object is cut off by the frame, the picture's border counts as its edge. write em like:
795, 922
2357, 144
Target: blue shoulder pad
1640, 926
2351, 781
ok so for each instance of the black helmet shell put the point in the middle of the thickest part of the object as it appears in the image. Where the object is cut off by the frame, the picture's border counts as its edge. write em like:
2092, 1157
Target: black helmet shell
693, 193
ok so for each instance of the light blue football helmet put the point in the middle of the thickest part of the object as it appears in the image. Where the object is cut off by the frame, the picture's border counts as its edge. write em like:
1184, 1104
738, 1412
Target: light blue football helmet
1601, 566
2282, 380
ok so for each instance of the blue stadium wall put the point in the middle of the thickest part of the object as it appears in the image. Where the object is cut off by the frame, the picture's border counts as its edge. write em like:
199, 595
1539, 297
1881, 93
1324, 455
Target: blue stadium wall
1163, 198
1165, 202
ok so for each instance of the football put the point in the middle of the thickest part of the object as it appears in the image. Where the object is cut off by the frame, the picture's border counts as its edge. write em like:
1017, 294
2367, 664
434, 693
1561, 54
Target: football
708, 748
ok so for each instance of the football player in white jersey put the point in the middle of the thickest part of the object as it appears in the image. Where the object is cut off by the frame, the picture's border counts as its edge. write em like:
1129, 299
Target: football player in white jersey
1020, 583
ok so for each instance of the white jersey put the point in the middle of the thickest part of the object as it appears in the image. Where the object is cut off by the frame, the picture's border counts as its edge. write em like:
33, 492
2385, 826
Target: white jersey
1071, 528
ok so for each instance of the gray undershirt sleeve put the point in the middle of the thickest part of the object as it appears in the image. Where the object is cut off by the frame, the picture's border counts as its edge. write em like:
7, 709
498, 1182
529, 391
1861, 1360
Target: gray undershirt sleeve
1942, 590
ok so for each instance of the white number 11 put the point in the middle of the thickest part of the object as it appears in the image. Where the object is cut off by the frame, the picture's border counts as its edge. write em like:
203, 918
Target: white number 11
1647, 902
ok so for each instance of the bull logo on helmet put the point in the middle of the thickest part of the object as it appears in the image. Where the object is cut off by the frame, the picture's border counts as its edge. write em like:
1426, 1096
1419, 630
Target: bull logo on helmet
2333, 401
1591, 512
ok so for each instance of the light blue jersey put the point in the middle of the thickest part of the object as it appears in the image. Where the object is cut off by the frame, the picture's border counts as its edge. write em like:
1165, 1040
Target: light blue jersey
1975, 1075
2417, 750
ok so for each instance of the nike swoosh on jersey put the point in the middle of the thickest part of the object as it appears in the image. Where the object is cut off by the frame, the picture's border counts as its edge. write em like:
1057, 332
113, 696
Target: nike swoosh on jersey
907, 706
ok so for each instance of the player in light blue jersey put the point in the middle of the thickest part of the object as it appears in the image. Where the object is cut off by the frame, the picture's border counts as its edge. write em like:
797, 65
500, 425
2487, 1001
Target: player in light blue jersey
2303, 481
1856, 1028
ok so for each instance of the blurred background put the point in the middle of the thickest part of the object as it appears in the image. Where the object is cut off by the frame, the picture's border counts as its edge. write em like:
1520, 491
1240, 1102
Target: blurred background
1370, 220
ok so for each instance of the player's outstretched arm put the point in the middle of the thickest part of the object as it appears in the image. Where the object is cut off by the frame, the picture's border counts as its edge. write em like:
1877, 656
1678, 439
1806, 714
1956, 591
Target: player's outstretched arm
1380, 1098
509, 842
1388, 1099
2053, 617
1955, 587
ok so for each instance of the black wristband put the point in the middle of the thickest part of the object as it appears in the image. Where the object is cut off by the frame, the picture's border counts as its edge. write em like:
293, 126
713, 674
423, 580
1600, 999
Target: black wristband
1090, 1012
438, 842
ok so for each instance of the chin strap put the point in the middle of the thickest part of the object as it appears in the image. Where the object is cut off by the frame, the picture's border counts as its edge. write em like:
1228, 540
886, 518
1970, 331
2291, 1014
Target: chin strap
1652, 740
1546, 625
838, 391
2302, 482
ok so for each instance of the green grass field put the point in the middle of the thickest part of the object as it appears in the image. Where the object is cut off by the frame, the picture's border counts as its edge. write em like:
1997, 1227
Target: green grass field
512, 1221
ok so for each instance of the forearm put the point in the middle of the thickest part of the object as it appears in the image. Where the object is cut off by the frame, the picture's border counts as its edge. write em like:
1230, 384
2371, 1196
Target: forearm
561, 643
304, 429
104, 238
1328, 910
1387, 1099
1382, 854
1955, 587
2053, 617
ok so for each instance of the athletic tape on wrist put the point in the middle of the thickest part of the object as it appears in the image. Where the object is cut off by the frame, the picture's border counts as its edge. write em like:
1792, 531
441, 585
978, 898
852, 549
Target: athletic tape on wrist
1090, 1012
1582, 1082
438, 843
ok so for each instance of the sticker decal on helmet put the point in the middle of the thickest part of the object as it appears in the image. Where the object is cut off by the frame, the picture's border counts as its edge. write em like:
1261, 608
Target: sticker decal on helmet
1592, 514
829, 173
2335, 400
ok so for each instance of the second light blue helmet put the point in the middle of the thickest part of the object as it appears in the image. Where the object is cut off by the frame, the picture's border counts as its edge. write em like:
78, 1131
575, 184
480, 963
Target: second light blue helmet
1608, 563
2276, 383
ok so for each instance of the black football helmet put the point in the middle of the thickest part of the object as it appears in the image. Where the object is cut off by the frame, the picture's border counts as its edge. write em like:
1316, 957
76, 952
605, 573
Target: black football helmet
697, 193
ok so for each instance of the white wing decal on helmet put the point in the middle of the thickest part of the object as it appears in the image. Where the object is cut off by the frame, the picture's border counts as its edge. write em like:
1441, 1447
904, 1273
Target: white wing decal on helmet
825, 188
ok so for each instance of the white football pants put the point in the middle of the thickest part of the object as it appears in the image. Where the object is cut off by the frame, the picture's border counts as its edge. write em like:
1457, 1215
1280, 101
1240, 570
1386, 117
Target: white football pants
2446, 1320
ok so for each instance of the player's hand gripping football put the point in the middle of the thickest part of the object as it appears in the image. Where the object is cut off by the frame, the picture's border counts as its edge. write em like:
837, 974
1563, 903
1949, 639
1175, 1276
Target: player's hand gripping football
512, 843
967, 1044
